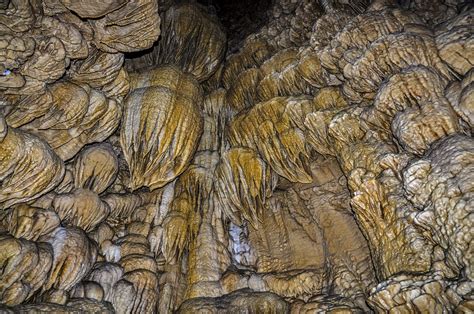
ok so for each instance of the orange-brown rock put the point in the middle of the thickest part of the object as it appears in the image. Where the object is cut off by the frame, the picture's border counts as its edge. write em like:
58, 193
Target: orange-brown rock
28, 166
274, 156
159, 138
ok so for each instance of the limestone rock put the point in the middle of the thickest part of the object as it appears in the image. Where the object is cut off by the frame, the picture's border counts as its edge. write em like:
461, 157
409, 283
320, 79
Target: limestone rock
361, 31
98, 69
25, 268
239, 301
460, 95
244, 183
252, 54
446, 167
29, 168
15, 51
81, 208
95, 168
16, 16
197, 39
71, 37
30, 222
402, 53
274, 156
74, 255
242, 93
130, 25
268, 127
163, 135
87, 9
67, 117
48, 62
73, 306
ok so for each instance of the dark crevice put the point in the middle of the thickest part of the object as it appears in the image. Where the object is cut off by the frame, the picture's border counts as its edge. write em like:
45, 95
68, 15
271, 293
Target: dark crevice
240, 18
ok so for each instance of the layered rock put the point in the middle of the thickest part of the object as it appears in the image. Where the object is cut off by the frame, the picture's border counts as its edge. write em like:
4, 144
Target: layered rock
318, 160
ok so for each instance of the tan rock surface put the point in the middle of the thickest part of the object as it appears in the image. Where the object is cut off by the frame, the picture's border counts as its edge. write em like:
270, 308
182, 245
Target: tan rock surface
130, 27
286, 156
25, 268
171, 127
30, 223
244, 183
28, 166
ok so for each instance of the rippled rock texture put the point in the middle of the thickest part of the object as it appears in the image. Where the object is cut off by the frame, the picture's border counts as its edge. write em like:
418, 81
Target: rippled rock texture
161, 156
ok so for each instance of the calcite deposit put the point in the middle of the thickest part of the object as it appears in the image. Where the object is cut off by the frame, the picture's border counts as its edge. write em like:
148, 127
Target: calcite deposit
213, 156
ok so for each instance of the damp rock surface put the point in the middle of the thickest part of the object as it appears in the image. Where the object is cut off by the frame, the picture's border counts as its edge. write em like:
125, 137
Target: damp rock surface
164, 156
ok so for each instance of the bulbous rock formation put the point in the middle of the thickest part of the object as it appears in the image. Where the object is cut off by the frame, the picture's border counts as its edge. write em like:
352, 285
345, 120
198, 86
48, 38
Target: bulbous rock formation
158, 138
74, 254
130, 27
244, 183
191, 39
165, 156
269, 128
26, 266
28, 168
30, 223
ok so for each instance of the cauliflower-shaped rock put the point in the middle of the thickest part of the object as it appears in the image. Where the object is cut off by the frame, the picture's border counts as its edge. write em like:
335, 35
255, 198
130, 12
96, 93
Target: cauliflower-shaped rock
28, 166
273, 128
30, 223
134, 26
81, 208
244, 182
98, 69
25, 267
192, 40
161, 127
440, 186
74, 255
93, 9
95, 168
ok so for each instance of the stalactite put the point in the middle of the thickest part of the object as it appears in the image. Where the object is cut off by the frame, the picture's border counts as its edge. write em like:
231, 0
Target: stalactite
161, 156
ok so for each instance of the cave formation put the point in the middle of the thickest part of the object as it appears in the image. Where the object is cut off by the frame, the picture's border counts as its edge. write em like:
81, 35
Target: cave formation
275, 156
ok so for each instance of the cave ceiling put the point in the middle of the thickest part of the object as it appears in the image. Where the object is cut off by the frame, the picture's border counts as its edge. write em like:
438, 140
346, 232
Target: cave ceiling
218, 156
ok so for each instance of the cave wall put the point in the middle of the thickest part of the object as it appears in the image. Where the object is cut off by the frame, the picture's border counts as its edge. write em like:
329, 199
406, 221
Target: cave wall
263, 157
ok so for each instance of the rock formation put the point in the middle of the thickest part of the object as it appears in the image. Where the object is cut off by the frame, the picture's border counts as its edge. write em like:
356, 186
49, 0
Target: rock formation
304, 156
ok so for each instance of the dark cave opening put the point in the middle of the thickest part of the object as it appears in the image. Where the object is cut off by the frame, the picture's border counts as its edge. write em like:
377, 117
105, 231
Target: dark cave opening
240, 18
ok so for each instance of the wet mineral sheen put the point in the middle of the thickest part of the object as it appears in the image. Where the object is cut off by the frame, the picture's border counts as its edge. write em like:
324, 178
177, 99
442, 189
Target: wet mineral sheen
216, 156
